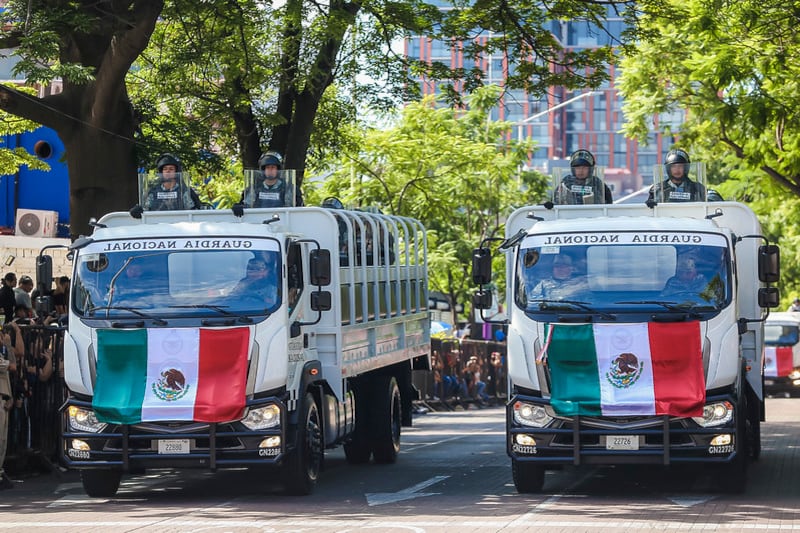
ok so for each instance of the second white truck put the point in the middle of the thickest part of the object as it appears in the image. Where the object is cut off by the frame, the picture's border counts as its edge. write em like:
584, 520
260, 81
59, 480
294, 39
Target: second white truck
635, 336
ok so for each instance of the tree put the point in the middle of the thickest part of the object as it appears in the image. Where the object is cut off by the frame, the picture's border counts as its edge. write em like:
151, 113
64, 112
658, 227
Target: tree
452, 169
89, 46
730, 66
12, 159
272, 72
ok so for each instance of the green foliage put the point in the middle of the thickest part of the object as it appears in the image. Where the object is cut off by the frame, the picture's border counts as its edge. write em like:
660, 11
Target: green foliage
453, 169
12, 159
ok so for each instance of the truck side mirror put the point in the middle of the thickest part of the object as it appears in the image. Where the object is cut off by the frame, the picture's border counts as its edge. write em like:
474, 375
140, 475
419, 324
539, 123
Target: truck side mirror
482, 299
481, 266
320, 267
769, 297
321, 301
769, 263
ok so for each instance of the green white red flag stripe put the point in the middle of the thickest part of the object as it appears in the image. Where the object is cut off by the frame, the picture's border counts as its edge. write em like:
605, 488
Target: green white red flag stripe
626, 369
171, 374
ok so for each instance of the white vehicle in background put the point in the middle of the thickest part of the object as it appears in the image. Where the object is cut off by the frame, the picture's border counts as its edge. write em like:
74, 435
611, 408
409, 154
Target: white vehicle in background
782, 353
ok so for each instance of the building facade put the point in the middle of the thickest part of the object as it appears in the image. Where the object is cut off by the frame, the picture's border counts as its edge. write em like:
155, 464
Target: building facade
564, 121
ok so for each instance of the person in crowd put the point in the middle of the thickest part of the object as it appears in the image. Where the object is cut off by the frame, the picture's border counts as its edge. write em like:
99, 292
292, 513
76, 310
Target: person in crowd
687, 280
8, 367
7, 298
61, 295
795, 307
171, 192
22, 293
581, 186
678, 187
476, 386
271, 190
562, 283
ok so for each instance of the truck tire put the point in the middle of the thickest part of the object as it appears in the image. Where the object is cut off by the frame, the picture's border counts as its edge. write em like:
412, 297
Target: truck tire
101, 483
528, 477
358, 449
386, 420
302, 465
732, 477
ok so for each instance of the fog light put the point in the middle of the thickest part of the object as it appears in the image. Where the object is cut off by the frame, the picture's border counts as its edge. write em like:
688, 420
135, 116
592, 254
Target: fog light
78, 444
722, 440
524, 440
270, 442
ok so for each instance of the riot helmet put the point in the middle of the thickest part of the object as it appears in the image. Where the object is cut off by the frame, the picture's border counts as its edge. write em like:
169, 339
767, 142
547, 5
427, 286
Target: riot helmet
582, 158
168, 159
677, 157
331, 202
270, 158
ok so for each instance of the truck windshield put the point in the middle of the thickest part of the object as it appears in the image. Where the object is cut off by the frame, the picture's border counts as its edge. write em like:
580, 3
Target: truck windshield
648, 272
177, 278
781, 335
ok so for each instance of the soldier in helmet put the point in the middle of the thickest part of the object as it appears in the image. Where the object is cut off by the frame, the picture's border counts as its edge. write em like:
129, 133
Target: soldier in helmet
271, 190
677, 187
581, 186
171, 192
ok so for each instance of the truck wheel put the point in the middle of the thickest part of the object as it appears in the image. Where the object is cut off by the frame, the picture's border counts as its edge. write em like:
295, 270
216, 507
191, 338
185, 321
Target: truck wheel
386, 420
358, 449
101, 483
528, 477
302, 466
753, 430
732, 477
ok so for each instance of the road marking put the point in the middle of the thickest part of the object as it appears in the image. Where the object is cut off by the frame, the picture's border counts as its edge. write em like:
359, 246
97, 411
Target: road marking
381, 498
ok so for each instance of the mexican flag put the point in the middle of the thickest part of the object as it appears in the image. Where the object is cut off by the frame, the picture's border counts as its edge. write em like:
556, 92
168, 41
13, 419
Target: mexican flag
626, 369
778, 361
170, 374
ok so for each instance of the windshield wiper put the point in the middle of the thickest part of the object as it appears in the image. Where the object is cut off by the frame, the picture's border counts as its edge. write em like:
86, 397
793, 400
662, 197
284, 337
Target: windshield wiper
675, 307
157, 321
554, 305
218, 308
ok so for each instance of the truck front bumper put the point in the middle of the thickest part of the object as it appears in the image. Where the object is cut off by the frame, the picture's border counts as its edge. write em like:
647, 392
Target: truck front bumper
618, 440
172, 444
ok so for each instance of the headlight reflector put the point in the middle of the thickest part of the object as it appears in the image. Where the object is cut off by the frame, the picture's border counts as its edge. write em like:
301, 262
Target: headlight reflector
529, 414
84, 420
265, 417
715, 414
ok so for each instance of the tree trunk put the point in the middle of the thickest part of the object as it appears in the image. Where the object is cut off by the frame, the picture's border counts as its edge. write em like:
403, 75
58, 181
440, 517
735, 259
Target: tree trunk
101, 181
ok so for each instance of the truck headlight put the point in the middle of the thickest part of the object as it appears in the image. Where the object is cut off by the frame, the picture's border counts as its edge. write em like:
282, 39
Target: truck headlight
84, 420
529, 414
715, 414
265, 417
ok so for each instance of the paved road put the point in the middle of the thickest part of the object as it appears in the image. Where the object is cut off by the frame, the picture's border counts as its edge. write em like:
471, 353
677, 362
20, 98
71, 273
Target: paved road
453, 475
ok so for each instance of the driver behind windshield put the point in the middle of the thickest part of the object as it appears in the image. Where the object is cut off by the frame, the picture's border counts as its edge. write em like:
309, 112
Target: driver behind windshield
686, 279
562, 282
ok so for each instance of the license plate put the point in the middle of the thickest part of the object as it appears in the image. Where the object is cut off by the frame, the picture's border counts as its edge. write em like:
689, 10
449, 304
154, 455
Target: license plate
622, 442
769, 382
173, 446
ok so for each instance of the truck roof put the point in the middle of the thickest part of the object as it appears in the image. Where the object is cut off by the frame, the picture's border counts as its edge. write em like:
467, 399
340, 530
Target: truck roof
689, 216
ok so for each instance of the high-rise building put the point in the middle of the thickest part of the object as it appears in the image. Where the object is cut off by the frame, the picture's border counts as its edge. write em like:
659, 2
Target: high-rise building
564, 121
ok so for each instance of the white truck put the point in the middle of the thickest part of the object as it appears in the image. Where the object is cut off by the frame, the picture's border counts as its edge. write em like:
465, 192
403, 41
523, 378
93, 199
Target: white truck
198, 339
635, 335
782, 353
